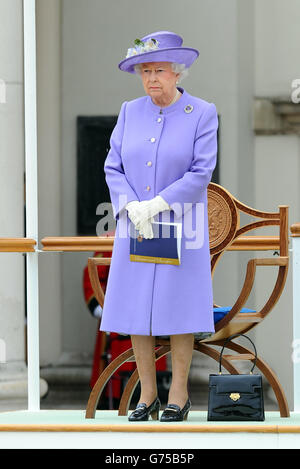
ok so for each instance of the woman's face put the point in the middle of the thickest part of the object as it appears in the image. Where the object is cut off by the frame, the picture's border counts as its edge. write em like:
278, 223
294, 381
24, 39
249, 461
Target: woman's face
159, 80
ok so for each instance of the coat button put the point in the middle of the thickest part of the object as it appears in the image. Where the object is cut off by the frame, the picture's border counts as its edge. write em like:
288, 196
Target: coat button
159, 120
149, 163
148, 188
153, 140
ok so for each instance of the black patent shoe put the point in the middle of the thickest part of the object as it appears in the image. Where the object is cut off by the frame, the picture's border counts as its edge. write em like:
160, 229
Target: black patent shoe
142, 412
173, 413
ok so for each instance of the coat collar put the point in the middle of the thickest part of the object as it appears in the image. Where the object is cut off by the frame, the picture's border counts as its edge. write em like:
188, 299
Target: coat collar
182, 102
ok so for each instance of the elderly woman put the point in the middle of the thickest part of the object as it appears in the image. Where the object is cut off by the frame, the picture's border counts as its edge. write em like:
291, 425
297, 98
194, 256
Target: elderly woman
163, 152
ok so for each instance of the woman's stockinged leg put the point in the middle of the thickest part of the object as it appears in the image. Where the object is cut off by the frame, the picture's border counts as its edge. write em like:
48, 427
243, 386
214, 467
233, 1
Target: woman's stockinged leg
182, 346
144, 351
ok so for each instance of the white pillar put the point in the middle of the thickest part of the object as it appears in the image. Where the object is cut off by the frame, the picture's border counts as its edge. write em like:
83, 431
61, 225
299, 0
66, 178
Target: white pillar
31, 203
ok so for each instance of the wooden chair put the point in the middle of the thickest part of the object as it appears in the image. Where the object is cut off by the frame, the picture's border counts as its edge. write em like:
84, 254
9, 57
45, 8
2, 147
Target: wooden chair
226, 234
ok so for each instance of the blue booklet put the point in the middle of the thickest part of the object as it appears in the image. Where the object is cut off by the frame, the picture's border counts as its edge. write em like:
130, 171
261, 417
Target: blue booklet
163, 248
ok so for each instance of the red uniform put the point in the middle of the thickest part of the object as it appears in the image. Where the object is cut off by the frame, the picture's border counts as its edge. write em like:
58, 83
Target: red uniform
118, 344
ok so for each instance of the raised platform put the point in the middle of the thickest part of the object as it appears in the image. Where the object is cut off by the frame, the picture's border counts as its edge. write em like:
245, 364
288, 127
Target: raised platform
70, 429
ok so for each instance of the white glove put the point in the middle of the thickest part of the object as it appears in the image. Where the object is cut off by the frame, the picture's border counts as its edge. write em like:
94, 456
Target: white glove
146, 229
148, 209
134, 210
97, 313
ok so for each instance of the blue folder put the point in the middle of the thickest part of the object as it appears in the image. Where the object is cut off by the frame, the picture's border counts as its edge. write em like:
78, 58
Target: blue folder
163, 248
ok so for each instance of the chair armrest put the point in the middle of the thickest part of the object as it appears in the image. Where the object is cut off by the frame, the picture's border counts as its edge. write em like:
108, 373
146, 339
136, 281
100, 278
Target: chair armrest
93, 262
281, 260
282, 263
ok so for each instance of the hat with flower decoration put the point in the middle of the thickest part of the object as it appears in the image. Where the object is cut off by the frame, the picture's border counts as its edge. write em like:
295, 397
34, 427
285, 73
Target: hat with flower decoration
162, 46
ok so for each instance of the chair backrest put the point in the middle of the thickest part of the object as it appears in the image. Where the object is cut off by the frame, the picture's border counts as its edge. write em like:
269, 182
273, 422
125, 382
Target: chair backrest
225, 234
223, 217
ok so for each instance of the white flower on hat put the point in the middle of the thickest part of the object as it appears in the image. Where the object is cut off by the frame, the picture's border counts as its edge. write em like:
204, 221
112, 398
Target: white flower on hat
142, 47
150, 45
131, 52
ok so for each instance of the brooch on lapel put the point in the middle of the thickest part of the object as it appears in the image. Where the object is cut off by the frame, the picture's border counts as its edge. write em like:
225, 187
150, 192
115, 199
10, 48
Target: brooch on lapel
189, 108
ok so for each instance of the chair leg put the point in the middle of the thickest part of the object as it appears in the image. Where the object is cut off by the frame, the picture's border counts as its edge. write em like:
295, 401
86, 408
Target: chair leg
203, 348
133, 381
270, 376
102, 380
128, 393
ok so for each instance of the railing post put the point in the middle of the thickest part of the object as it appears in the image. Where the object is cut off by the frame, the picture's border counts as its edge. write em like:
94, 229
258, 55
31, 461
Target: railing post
295, 230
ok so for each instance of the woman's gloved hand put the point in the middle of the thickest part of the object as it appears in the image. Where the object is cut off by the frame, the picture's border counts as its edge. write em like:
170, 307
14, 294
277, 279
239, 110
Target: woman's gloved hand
148, 209
142, 213
133, 210
146, 229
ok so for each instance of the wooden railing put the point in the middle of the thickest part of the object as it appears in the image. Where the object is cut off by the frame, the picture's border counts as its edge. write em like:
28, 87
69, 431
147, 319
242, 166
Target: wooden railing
105, 243
17, 245
244, 243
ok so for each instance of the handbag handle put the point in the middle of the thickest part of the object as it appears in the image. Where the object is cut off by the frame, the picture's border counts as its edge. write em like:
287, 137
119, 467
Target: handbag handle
228, 340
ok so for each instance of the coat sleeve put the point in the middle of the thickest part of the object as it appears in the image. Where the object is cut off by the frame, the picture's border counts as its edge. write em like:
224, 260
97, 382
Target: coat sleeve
120, 190
187, 190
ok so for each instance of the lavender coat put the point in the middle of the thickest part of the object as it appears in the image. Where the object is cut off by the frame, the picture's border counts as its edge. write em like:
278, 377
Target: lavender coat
169, 152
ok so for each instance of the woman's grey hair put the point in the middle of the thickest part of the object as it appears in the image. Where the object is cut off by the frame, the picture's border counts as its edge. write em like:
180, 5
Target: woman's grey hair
177, 68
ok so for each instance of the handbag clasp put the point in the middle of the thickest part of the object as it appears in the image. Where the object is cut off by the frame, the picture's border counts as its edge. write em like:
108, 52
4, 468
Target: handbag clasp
234, 396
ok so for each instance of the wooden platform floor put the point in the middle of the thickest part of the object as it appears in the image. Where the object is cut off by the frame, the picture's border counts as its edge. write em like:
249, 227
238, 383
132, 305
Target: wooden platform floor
108, 420
70, 429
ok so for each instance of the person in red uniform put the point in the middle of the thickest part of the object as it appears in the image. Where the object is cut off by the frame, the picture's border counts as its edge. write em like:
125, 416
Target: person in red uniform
108, 345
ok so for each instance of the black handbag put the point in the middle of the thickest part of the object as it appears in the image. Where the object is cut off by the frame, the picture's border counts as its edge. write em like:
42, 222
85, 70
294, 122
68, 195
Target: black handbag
235, 397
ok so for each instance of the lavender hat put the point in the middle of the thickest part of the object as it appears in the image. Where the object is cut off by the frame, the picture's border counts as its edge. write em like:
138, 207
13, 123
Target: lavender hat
162, 46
